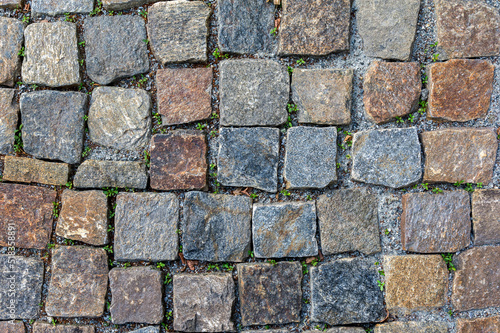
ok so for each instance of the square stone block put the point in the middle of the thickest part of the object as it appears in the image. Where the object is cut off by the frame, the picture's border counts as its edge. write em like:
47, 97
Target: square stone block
12, 32
30, 170
9, 114
122, 174
55, 7
486, 216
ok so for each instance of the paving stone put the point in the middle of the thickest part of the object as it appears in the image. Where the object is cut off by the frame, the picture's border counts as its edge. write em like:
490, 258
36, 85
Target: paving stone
391, 89
27, 210
29, 170
120, 118
204, 302
479, 325
53, 124
40, 327
249, 157
114, 47
460, 90
179, 160
270, 294
341, 330
388, 157
435, 223
253, 93
136, 295
55, 7
285, 229
467, 29
9, 114
12, 32
149, 329
124, 4
184, 94
415, 282
310, 158
486, 216
266, 331
392, 39
12, 327
178, 31
459, 154
348, 222
146, 226
476, 281
216, 228
21, 289
322, 96
10, 4
84, 217
99, 174
51, 55
78, 283
412, 326
314, 27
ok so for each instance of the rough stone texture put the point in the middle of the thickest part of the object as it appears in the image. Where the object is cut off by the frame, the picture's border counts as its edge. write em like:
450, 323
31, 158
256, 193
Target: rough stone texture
467, 29
203, 302
459, 154
310, 158
415, 282
216, 228
26, 275
10, 4
388, 157
57, 7
435, 223
266, 331
352, 283
322, 96
476, 282
40, 327
390, 90
124, 4
149, 329
285, 229
270, 294
12, 31
136, 295
253, 93
28, 209
12, 327
146, 226
78, 283
178, 31
84, 217
341, 330
115, 47
479, 325
99, 174
388, 27
120, 118
9, 113
412, 326
53, 124
29, 170
460, 90
51, 55
249, 157
348, 222
184, 94
486, 216
314, 27
179, 160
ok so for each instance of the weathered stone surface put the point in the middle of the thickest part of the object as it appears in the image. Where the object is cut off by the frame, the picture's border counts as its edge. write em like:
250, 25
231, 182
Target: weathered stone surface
53, 124
78, 283
486, 216
435, 223
10, 4
388, 27
124, 4
253, 93
21, 289
314, 27
40, 327
149, 329
412, 326
204, 302
84, 217
12, 31
415, 282
249, 157
390, 90
479, 325
12, 327
99, 174
29, 170
178, 31
179, 161
388, 157
120, 118
136, 295
9, 113
266, 331
459, 154
56, 7
270, 294
311, 156
184, 94
285, 229
467, 29
216, 227
476, 284
146, 226
341, 330
460, 90
348, 222
115, 47
51, 56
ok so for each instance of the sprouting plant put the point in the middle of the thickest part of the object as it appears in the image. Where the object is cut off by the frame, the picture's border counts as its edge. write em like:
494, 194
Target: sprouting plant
143, 13
218, 55
305, 269
82, 43
399, 120
201, 126
86, 151
212, 166
468, 187
290, 69
69, 185
147, 158
180, 248
300, 62
68, 17
272, 261
348, 156
308, 197
292, 108
54, 322
425, 186
448, 259
81, 61
168, 316
228, 267
435, 57
285, 192
437, 190
411, 118
112, 213
18, 139
450, 312
21, 52
211, 267
387, 232
250, 254
160, 265
126, 265
111, 13
423, 107
381, 285
55, 209
425, 79
110, 227
25, 19
254, 195
168, 278
338, 165
34, 86
109, 191
381, 272
146, 41
51, 246
315, 262
69, 242
213, 133
108, 248
460, 182
142, 81
274, 31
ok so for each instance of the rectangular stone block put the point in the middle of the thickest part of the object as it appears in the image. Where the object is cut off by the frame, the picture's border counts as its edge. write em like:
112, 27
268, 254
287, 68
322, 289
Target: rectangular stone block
479, 325
9, 114
486, 216
12, 327
99, 174
124, 4
29, 170
55, 7
412, 326
12, 31
40, 327
10, 4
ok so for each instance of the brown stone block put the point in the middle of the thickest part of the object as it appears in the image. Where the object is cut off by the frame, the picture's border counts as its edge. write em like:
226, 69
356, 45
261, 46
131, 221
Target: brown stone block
486, 216
29, 170
479, 325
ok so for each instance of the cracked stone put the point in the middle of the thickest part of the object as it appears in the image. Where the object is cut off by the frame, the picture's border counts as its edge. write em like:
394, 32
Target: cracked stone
40, 327
55, 7
12, 326
412, 326
479, 325
124, 4
99, 174
485, 216
10, 4
9, 114
29, 170
12, 32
